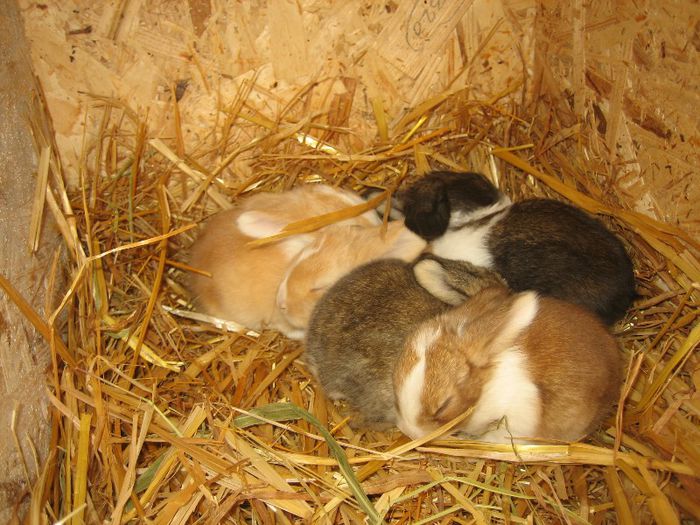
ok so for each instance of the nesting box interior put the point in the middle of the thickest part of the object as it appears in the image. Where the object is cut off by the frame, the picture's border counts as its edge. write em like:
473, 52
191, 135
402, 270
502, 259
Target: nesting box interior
156, 115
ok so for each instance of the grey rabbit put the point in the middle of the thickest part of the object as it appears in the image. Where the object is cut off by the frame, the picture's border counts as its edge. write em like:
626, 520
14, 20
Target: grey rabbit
539, 244
358, 328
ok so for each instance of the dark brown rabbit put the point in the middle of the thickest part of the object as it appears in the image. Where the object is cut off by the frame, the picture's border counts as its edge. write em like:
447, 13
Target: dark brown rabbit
539, 244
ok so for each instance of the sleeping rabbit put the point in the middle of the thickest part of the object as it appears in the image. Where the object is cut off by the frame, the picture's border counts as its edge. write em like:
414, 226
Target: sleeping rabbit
528, 366
245, 280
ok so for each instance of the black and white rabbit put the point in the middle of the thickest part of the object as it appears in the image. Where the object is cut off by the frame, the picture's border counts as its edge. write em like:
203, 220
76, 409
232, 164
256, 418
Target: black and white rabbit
539, 244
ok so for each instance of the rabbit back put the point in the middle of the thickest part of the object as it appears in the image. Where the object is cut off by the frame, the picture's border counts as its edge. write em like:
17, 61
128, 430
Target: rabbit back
560, 251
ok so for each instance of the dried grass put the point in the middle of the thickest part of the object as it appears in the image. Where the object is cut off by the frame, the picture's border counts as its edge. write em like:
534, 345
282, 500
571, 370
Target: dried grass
160, 416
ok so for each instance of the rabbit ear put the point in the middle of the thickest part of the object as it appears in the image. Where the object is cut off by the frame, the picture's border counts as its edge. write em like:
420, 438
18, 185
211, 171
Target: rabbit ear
426, 207
432, 276
454, 281
490, 322
258, 224
499, 324
520, 315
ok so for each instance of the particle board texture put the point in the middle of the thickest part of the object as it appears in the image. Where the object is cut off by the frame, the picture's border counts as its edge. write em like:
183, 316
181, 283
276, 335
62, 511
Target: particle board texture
351, 59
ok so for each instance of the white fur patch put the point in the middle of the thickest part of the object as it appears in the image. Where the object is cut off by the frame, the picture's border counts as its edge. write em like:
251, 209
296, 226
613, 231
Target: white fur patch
459, 218
509, 394
465, 241
372, 217
466, 244
424, 338
296, 334
410, 393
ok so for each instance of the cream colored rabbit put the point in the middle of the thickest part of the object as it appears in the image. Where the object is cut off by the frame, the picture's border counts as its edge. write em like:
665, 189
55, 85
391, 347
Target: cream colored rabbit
245, 280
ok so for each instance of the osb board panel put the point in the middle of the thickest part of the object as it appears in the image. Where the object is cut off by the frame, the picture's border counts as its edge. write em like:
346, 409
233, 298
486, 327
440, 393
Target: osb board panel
358, 58
631, 71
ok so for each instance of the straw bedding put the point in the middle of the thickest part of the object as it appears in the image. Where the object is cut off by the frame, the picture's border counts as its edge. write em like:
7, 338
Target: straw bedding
165, 417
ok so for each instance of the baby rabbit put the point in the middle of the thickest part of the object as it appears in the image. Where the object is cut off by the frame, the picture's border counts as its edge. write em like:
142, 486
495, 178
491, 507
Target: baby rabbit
245, 279
336, 251
529, 366
539, 244
358, 328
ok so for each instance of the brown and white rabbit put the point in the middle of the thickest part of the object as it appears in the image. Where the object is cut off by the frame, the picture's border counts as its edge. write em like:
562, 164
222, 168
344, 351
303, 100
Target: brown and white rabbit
358, 328
539, 244
245, 279
335, 252
529, 367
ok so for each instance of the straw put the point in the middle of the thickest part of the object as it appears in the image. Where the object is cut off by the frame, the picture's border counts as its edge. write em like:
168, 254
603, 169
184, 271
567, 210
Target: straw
161, 413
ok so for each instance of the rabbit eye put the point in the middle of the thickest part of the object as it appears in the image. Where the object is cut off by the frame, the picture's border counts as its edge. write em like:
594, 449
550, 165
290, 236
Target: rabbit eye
442, 409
